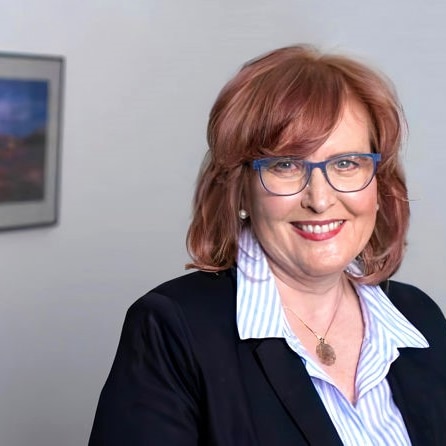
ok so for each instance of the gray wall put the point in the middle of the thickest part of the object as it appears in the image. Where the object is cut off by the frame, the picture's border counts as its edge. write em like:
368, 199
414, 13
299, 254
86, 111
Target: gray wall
141, 77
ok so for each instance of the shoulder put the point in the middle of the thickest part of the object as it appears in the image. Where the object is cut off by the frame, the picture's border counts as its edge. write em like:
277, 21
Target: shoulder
421, 310
194, 290
198, 285
197, 301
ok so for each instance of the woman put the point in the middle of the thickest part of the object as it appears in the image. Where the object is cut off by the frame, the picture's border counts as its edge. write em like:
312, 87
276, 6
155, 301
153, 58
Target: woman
291, 332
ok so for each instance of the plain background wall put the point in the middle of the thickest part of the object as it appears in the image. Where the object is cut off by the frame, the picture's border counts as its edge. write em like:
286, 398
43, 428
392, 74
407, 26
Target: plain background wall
141, 78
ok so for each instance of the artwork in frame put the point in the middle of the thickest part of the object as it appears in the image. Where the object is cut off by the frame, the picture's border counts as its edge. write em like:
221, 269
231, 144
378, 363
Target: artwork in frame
31, 89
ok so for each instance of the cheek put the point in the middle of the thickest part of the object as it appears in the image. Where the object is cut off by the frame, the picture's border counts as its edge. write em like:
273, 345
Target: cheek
267, 209
370, 200
364, 207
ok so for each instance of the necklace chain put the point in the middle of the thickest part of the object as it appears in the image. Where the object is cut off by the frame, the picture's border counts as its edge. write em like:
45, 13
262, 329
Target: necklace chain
324, 351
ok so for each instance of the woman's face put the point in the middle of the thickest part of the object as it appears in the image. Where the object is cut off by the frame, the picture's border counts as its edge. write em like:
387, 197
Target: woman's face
284, 225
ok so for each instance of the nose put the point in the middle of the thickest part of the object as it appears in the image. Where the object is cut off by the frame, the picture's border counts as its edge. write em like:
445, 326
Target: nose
318, 195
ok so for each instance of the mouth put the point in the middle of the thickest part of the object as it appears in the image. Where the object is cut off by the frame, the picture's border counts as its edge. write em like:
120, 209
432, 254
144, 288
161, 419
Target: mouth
324, 228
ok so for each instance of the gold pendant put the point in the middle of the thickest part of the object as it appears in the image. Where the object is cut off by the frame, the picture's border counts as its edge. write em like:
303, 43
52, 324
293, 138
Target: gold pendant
325, 352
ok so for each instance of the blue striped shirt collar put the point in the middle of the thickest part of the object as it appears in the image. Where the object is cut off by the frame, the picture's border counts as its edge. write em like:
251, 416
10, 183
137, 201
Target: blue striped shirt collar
260, 314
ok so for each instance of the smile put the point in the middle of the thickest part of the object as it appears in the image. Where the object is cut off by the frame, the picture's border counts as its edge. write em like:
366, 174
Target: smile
320, 229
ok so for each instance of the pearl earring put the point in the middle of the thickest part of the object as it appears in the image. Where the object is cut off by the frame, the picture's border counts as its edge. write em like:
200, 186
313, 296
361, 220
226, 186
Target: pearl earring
243, 214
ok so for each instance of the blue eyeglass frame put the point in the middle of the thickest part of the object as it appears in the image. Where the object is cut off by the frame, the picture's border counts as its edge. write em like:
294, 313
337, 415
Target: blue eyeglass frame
309, 166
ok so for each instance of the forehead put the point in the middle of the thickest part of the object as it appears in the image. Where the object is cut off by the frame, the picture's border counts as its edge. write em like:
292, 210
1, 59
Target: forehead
351, 133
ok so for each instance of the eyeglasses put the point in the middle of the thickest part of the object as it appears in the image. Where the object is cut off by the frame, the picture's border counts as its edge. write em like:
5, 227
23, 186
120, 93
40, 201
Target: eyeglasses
288, 175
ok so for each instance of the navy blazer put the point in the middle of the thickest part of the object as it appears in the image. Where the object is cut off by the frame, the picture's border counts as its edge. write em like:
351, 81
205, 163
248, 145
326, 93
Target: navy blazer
183, 377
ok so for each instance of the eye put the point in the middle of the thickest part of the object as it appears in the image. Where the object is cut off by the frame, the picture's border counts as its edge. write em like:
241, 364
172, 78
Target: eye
346, 164
285, 167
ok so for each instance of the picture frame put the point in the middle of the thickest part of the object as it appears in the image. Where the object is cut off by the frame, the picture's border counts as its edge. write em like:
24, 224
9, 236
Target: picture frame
31, 90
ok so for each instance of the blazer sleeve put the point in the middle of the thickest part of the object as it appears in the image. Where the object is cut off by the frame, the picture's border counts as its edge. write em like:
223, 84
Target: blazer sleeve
151, 396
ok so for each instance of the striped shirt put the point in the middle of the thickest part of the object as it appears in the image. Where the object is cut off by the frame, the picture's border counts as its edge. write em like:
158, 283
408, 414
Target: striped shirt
374, 420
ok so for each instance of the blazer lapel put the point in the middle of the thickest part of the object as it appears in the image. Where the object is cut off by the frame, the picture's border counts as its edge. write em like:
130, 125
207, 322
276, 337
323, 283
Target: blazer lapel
413, 387
286, 373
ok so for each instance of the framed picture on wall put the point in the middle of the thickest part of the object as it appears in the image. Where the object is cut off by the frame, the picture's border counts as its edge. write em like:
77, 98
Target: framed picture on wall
30, 138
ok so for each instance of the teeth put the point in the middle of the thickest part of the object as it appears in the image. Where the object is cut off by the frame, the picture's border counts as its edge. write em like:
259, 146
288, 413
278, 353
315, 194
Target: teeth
321, 229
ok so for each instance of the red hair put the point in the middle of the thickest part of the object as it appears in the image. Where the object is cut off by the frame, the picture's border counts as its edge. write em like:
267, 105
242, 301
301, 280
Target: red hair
289, 101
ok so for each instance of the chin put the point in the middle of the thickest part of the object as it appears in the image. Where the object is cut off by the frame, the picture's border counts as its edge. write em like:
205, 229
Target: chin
326, 269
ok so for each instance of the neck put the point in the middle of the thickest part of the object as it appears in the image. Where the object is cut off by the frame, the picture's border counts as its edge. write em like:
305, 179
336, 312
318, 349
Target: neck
313, 303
